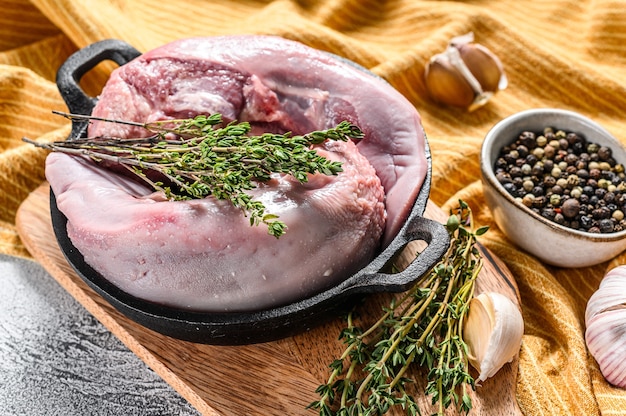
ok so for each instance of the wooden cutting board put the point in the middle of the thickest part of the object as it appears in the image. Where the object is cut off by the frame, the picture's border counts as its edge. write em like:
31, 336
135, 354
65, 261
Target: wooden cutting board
275, 378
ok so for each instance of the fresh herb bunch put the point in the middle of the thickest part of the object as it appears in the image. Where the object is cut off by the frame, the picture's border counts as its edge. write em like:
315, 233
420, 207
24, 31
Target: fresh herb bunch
198, 158
422, 328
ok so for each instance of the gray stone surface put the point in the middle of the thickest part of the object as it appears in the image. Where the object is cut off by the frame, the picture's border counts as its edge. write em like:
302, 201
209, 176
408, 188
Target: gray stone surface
57, 359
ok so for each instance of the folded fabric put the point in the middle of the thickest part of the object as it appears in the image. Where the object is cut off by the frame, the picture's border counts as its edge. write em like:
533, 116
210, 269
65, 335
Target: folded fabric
565, 53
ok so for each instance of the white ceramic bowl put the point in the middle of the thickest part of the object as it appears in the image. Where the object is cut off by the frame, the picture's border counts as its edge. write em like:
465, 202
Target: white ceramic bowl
552, 243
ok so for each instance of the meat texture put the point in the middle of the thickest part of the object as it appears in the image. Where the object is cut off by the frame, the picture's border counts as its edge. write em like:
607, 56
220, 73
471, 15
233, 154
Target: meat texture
203, 254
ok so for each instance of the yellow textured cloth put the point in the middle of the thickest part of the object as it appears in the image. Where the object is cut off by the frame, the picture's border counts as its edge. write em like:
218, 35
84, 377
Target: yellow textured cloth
569, 54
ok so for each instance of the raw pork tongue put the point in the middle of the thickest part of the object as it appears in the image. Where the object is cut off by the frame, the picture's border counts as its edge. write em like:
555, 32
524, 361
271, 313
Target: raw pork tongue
203, 254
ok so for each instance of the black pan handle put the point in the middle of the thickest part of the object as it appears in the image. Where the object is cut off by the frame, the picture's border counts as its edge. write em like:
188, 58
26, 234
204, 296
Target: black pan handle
417, 228
77, 65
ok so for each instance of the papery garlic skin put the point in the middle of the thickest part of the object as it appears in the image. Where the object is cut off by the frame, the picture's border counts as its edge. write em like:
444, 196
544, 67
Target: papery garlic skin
605, 321
492, 331
465, 75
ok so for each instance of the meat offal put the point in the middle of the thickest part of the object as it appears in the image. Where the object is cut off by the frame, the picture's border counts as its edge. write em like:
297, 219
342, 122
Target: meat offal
203, 254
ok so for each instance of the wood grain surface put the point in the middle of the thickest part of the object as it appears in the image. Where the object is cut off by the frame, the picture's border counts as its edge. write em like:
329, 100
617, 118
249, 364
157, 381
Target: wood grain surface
274, 378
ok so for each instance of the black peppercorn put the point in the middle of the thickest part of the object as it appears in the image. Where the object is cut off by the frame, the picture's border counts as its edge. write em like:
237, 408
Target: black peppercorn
501, 163
540, 201
601, 213
503, 177
548, 165
582, 173
515, 171
549, 181
531, 159
509, 187
604, 153
559, 218
586, 222
556, 189
605, 225
600, 192
528, 139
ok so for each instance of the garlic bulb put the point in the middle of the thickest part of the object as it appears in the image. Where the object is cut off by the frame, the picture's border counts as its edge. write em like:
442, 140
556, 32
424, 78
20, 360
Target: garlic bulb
493, 332
465, 75
605, 319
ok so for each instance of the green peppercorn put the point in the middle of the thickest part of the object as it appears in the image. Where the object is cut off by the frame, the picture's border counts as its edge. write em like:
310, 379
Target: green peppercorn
555, 200
603, 183
541, 141
592, 148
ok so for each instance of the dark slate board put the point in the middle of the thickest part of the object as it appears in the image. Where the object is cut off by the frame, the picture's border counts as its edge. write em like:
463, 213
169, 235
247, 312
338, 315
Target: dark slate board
57, 359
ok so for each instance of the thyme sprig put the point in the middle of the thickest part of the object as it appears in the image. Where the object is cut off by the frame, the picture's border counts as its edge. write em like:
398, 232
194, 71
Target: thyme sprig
196, 158
420, 329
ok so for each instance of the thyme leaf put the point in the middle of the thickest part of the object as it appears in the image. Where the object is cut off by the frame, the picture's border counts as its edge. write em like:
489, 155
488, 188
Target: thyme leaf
421, 329
199, 157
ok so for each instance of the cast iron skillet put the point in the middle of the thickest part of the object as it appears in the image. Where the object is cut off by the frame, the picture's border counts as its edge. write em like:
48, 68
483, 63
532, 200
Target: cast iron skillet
239, 327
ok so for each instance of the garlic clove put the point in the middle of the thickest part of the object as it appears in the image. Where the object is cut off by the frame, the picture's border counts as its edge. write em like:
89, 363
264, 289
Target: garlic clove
610, 293
485, 66
466, 75
605, 321
606, 340
493, 331
442, 77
